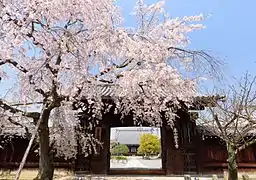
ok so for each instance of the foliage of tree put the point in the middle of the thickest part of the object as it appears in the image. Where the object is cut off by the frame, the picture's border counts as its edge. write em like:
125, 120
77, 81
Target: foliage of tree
51, 49
113, 143
120, 149
233, 120
149, 144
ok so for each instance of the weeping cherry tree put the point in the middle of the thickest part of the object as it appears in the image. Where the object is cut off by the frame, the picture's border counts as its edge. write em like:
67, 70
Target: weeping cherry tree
55, 52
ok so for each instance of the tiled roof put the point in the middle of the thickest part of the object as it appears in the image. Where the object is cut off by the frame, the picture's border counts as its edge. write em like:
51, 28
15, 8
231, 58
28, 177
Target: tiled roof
206, 130
131, 135
106, 90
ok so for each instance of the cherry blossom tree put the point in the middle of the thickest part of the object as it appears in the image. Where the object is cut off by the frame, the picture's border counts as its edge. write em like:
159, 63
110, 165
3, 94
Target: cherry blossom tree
233, 120
59, 51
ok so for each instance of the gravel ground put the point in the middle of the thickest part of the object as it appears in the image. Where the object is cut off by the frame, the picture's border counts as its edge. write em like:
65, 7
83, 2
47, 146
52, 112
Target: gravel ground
137, 162
252, 177
133, 178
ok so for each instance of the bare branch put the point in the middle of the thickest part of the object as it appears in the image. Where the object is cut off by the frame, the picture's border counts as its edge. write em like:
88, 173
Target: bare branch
14, 63
247, 144
201, 61
234, 120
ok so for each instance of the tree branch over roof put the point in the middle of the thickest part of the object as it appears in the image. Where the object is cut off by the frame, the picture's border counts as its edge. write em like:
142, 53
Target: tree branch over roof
234, 120
11, 109
201, 60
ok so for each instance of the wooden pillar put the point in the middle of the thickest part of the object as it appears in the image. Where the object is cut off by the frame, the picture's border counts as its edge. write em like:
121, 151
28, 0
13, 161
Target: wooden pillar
174, 159
199, 153
100, 163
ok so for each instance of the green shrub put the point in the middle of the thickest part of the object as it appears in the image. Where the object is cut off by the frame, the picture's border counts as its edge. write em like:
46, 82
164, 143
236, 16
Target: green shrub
245, 177
121, 158
214, 177
120, 149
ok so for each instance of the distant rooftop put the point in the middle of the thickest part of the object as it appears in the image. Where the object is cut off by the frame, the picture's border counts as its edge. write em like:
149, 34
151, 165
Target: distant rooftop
131, 135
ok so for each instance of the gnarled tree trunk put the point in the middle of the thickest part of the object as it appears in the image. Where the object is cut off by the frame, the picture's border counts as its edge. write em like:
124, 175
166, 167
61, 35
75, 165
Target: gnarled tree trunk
45, 158
232, 164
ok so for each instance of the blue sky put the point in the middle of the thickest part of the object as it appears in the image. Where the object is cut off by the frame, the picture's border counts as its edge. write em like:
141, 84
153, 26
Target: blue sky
229, 34
230, 30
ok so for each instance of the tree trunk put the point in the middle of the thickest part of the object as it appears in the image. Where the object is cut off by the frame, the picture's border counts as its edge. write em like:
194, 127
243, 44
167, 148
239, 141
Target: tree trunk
45, 158
232, 164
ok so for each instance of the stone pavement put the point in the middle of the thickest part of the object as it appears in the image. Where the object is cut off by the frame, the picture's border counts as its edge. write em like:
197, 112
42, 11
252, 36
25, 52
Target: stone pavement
133, 178
136, 162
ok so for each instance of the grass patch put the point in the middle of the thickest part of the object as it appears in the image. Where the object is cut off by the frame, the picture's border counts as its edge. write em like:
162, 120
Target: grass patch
119, 158
30, 174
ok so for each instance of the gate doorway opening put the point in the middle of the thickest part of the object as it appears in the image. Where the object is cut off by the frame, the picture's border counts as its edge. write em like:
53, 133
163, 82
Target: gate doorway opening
135, 148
